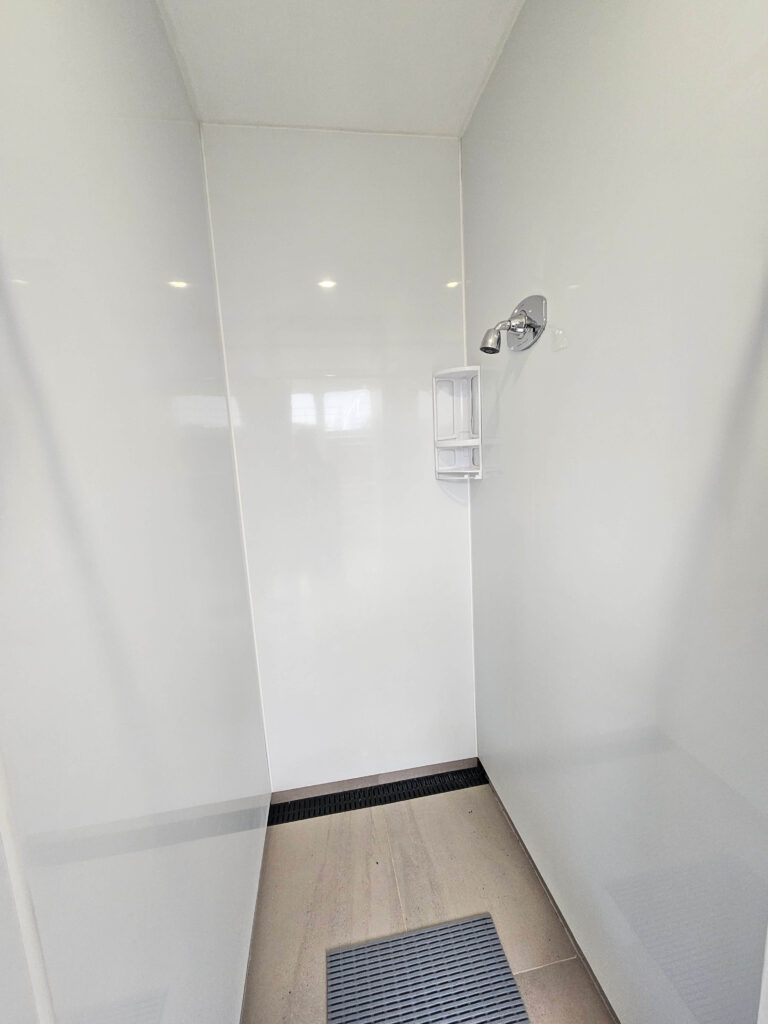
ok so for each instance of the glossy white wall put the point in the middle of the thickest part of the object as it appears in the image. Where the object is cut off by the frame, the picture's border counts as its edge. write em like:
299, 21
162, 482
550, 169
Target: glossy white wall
617, 163
360, 559
129, 711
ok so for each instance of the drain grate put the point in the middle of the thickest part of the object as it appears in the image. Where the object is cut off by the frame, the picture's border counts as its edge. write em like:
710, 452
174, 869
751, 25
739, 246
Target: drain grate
453, 973
375, 796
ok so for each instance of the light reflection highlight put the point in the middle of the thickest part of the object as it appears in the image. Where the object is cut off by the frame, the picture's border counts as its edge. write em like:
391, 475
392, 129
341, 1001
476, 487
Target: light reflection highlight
303, 409
346, 410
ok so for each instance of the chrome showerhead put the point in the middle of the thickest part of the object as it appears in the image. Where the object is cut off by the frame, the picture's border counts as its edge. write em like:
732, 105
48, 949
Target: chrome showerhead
491, 341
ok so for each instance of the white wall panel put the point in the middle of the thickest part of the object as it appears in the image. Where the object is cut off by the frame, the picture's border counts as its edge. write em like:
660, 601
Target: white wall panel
360, 559
129, 710
617, 163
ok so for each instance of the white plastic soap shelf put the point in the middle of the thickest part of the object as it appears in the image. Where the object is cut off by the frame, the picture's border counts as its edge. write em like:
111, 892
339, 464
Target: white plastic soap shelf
458, 424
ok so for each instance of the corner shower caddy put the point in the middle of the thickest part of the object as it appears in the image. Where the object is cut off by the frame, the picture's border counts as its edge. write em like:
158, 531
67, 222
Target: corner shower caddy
458, 424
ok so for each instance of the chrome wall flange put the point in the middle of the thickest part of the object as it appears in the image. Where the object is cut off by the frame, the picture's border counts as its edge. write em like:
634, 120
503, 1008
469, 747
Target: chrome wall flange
534, 310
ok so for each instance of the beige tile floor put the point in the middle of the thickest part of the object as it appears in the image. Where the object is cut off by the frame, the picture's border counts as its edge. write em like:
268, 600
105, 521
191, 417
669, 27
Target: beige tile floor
365, 874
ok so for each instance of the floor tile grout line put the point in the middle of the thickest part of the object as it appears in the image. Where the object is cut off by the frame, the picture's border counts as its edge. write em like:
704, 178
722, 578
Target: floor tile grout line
392, 863
541, 967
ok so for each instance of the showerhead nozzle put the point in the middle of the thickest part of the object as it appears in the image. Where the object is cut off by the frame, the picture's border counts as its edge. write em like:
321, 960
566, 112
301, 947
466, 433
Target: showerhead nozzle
491, 341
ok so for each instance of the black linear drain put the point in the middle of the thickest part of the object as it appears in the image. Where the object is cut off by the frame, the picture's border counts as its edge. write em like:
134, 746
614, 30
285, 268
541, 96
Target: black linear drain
375, 796
450, 974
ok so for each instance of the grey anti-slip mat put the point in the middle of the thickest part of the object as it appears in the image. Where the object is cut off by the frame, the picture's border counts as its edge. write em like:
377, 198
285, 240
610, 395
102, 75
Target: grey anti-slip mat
453, 973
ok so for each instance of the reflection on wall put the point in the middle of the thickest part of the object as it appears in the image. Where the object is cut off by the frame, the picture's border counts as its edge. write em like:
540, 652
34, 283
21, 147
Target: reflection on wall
346, 410
157, 902
303, 409
342, 410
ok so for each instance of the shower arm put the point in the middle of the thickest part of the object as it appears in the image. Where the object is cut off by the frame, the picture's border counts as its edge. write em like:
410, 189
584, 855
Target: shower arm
518, 323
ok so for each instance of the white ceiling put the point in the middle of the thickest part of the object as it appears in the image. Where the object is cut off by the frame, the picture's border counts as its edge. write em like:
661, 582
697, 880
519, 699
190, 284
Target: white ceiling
381, 65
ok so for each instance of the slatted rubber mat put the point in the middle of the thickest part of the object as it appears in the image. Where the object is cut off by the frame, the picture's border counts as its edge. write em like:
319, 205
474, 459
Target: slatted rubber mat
454, 973
375, 796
